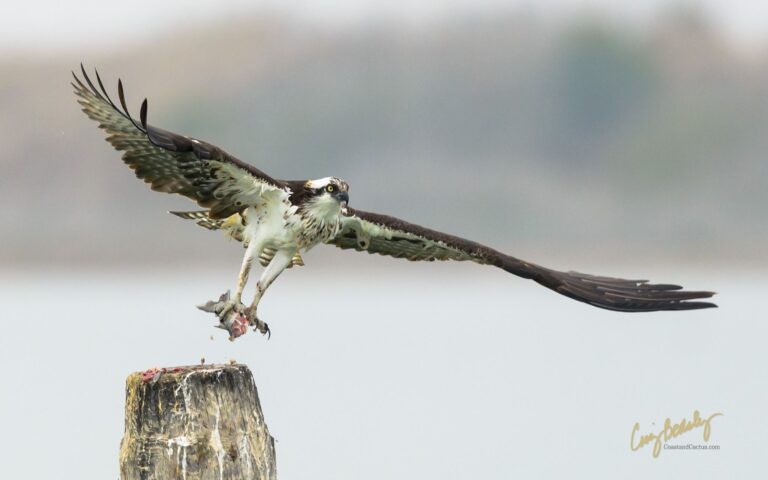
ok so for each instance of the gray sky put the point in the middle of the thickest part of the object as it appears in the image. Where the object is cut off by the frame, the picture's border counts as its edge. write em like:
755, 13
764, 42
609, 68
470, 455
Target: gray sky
50, 25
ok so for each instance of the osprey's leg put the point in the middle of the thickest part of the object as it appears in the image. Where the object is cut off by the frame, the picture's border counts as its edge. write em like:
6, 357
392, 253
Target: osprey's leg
280, 262
245, 269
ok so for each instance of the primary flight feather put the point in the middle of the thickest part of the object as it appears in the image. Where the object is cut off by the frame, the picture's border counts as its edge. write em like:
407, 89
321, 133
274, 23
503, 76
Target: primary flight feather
277, 220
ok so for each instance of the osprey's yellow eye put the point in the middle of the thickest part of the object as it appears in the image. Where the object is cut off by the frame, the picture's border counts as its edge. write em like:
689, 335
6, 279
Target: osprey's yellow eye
330, 188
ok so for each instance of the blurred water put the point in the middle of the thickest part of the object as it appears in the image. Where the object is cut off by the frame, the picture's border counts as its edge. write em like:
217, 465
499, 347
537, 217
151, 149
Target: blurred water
449, 372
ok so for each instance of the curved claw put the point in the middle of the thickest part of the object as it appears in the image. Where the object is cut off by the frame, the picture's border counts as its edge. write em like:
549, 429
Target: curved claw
264, 329
256, 323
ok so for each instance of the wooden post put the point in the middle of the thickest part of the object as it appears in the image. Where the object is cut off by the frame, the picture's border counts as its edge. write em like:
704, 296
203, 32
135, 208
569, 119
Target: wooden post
195, 423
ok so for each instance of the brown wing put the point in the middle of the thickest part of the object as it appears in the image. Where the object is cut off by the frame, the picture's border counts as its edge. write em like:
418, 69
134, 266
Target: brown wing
374, 233
174, 163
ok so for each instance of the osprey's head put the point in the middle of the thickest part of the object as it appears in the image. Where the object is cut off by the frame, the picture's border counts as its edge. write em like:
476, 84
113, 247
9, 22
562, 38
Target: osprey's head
328, 190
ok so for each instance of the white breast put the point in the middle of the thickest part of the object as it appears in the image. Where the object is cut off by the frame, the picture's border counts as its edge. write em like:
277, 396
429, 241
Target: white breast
276, 223
320, 220
266, 222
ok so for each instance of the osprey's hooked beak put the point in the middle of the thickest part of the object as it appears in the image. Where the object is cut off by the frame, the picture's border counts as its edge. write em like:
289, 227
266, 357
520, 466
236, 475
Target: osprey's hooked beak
343, 198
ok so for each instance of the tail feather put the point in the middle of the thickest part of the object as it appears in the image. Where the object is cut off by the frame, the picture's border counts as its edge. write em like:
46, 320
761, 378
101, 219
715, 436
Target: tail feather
201, 218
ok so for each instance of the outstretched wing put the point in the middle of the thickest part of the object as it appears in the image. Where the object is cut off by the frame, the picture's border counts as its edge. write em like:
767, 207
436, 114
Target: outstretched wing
175, 163
374, 233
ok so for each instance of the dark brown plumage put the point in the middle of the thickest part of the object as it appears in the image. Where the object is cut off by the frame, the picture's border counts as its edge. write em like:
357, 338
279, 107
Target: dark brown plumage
169, 162
401, 239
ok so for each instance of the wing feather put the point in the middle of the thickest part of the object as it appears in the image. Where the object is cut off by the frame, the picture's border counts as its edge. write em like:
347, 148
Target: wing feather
174, 163
385, 235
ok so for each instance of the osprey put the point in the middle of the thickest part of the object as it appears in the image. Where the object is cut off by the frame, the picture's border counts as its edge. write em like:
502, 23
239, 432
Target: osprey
278, 220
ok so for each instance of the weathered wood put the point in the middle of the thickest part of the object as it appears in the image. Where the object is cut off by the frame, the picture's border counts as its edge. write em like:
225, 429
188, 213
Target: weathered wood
195, 423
